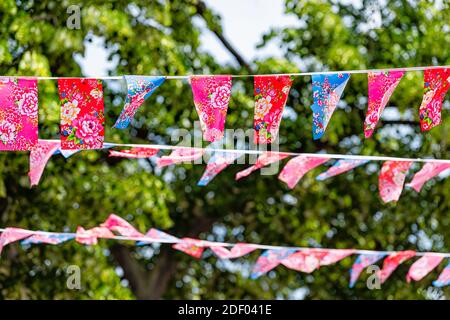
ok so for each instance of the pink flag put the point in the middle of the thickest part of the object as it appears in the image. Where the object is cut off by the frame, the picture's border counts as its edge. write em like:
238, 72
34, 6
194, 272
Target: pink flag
303, 261
423, 266
268, 260
392, 262
218, 162
121, 226
271, 93
10, 235
262, 161
89, 237
192, 247
436, 84
138, 152
238, 250
362, 262
331, 256
339, 167
156, 236
381, 87
297, 167
444, 277
39, 156
428, 171
18, 113
180, 155
391, 179
211, 97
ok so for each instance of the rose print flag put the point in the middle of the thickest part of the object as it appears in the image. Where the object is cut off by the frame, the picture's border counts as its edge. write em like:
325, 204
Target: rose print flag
136, 153
218, 162
392, 262
339, 167
391, 179
303, 261
39, 156
262, 161
180, 155
51, 238
423, 266
381, 86
444, 278
18, 113
362, 262
269, 260
428, 171
327, 90
238, 250
90, 236
82, 113
139, 89
436, 84
121, 226
271, 93
297, 167
10, 235
211, 97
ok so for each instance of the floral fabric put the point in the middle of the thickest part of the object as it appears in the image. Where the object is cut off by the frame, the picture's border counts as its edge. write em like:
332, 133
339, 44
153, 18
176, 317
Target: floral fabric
157, 235
262, 161
137, 152
82, 114
39, 156
54, 238
392, 262
362, 262
218, 162
192, 247
381, 86
121, 226
180, 155
327, 90
90, 236
444, 278
18, 113
436, 84
302, 261
139, 88
428, 171
10, 235
391, 179
339, 167
268, 260
271, 93
211, 97
238, 250
297, 167
423, 266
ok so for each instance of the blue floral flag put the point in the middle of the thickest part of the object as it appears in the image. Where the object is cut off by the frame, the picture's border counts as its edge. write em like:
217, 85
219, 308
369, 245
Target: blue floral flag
362, 262
327, 90
139, 89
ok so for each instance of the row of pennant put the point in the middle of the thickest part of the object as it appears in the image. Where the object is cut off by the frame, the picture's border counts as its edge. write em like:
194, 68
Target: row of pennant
391, 179
82, 108
300, 259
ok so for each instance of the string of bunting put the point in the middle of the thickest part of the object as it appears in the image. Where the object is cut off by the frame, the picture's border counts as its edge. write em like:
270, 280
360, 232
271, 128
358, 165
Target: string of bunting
296, 258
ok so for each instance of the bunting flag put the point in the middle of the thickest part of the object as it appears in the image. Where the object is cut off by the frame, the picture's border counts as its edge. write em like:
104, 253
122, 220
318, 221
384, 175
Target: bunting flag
157, 235
39, 156
55, 238
136, 153
139, 88
391, 179
211, 97
271, 93
428, 171
18, 114
444, 278
237, 251
90, 237
121, 226
263, 160
423, 266
392, 262
331, 256
218, 162
297, 167
302, 261
362, 262
436, 84
381, 86
268, 260
327, 90
192, 247
10, 235
339, 167
82, 113
180, 155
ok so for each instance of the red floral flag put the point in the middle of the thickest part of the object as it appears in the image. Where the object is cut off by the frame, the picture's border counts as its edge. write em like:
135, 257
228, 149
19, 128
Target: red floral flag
39, 156
392, 262
391, 179
263, 160
423, 266
82, 113
428, 171
271, 93
136, 153
297, 167
180, 155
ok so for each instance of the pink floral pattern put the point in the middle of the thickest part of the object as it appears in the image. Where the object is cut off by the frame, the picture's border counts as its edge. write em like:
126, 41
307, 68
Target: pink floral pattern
237, 251
444, 278
302, 261
268, 260
392, 262
39, 156
362, 262
339, 167
423, 266
381, 87
10, 235
297, 167
211, 97
192, 247
90, 236
18, 114
262, 161
121, 226
180, 155
391, 179
428, 171
218, 162
138, 152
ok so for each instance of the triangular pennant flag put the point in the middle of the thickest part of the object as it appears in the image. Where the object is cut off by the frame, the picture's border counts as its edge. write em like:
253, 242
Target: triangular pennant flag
121, 226
211, 97
391, 179
362, 262
331, 256
392, 262
39, 156
303, 261
381, 86
90, 236
218, 162
428, 171
327, 90
136, 153
263, 160
444, 278
297, 167
139, 88
157, 236
423, 266
82, 113
52, 238
238, 250
268, 260
436, 84
192, 247
19, 113
10, 235
339, 167
180, 155
271, 93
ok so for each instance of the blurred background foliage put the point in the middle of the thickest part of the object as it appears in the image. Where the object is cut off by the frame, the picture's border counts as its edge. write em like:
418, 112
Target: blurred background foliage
159, 37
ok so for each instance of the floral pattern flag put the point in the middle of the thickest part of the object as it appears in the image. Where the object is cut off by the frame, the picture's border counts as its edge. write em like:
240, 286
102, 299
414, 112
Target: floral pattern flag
157, 236
339, 167
51, 238
302, 261
297, 167
392, 262
271, 93
362, 262
444, 278
268, 260
18, 113
381, 86
238, 250
39, 156
391, 179
139, 88
90, 236
82, 113
428, 171
180, 155
436, 84
218, 162
423, 266
263, 160
327, 90
211, 97
192, 247
10, 235
136, 153
121, 226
